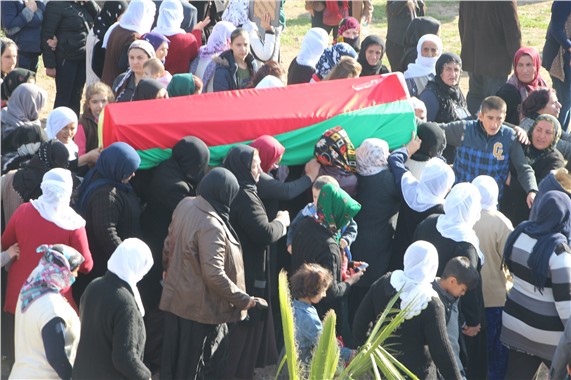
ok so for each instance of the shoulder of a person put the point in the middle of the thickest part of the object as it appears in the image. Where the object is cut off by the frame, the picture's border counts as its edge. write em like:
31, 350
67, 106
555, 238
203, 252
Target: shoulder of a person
223, 59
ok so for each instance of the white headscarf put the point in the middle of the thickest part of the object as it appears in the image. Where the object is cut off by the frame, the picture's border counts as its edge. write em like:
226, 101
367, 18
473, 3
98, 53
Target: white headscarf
139, 16
170, 17
372, 156
488, 188
53, 204
237, 12
270, 81
461, 212
420, 266
58, 119
314, 43
430, 190
131, 261
424, 66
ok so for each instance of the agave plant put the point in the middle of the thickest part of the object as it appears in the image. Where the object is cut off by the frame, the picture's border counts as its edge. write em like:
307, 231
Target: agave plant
372, 358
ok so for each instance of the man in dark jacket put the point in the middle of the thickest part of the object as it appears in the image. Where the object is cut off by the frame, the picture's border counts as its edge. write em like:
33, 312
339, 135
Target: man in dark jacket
490, 36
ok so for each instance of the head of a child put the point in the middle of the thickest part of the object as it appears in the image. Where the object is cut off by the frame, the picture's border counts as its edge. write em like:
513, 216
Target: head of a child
97, 96
154, 69
321, 181
310, 283
492, 114
459, 276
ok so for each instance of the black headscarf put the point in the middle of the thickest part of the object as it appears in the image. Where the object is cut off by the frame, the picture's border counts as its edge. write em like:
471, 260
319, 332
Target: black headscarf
52, 154
15, 78
239, 162
108, 16
433, 141
551, 226
192, 156
147, 89
21, 145
219, 187
362, 58
417, 28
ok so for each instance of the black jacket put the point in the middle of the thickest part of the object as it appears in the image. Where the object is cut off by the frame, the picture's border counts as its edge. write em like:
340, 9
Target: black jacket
70, 22
225, 76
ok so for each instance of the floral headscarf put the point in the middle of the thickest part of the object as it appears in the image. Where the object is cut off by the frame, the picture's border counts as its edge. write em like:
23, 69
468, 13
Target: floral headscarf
334, 148
335, 208
372, 156
330, 57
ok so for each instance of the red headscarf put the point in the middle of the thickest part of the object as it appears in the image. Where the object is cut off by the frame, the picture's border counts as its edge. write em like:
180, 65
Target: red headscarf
270, 151
526, 88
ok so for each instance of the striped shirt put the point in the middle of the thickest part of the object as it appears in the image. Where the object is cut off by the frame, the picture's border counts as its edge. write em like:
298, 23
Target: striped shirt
533, 321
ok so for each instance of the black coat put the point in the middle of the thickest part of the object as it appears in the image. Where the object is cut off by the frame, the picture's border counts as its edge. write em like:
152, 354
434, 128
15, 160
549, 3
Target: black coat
112, 333
421, 343
225, 76
70, 22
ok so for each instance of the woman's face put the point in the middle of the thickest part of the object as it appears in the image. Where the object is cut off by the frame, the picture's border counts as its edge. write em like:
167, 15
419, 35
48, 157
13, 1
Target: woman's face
542, 135
162, 94
552, 107
9, 59
429, 49
451, 74
351, 33
97, 103
67, 133
162, 51
256, 168
525, 70
137, 59
373, 54
240, 47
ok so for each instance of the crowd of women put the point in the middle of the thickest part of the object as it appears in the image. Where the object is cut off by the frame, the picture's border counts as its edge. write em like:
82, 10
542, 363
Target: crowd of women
175, 269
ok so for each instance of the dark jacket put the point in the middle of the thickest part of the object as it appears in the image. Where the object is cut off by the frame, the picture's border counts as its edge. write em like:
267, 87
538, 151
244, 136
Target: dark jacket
490, 36
556, 37
225, 76
70, 22
22, 25
421, 343
112, 333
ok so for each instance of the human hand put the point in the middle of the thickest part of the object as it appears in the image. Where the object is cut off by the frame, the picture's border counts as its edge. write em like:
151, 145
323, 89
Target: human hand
414, 145
202, 24
51, 72
471, 330
31, 5
354, 277
92, 156
250, 304
521, 136
283, 217
289, 250
312, 169
52, 42
343, 243
530, 198
265, 22
14, 251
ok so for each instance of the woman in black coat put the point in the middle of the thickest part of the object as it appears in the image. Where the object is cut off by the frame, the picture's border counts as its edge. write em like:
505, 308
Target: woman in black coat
67, 22
252, 342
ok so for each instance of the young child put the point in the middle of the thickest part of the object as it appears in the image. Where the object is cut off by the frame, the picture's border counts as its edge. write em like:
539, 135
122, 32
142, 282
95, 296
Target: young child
154, 69
308, 286
458, 277
348, 234
97, 96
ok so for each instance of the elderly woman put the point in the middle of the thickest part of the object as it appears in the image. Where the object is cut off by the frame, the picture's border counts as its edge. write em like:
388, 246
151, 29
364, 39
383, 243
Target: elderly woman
47, 327
112, 329
538, 305
423, 69
201, 299
302, 67
417, 28
542, 156
109, 205
124, 85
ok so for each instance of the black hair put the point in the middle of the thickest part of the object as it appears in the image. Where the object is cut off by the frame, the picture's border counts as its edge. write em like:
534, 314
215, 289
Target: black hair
493, 103
460, 268
6, 42
236, 33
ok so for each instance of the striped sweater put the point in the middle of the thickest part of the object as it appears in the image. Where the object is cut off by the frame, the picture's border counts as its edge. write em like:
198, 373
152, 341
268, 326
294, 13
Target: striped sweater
533, 321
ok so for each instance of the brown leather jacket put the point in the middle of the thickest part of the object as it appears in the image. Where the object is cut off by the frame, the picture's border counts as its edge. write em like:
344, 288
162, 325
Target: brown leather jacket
204, 279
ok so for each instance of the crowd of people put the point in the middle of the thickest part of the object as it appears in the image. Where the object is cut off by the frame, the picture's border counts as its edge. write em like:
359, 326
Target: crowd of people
111, 271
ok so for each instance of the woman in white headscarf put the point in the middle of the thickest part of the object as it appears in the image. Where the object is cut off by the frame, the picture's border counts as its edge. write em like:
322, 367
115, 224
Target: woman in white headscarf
112, 329
219, 41
183, 47
417, 75
62, 125
425, 323
136, 21
46, 220
420, 198
302, 68
453, 235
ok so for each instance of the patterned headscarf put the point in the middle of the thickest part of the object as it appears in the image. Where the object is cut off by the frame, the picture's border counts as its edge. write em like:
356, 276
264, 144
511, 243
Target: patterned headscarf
53, 273
108, 16
15, 78
330, 57
218, 41
236, 12
334, 148
346, 24
537, 81
335, 208
372, 156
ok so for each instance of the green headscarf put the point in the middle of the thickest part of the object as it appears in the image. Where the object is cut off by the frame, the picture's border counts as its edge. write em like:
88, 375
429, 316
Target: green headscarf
335, 208
181, 85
